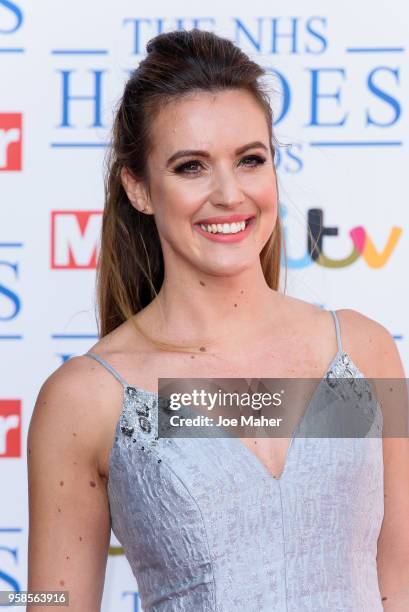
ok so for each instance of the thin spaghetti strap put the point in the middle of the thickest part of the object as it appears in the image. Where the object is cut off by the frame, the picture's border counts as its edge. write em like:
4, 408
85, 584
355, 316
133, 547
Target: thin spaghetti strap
337, 329
108, 367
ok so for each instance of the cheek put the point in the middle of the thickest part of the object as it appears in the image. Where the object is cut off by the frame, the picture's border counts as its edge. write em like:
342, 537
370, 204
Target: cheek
175, 204
265, 195
187, 199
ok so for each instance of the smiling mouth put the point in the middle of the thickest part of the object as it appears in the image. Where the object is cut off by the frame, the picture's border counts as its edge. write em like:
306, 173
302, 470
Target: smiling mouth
234, 227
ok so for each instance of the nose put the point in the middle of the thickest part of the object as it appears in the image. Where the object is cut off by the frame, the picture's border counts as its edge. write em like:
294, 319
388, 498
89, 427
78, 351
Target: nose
226, 190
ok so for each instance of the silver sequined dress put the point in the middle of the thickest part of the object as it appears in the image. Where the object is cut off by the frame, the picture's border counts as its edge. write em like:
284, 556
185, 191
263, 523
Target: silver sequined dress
206, 528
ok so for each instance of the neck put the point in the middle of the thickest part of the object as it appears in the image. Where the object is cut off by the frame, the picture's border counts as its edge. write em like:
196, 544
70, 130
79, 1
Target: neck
215, 311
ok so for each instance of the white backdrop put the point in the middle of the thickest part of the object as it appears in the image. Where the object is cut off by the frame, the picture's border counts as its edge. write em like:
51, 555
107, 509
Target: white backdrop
340, 71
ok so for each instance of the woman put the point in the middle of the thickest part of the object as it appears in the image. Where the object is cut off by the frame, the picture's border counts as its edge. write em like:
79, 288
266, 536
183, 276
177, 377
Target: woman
188, 286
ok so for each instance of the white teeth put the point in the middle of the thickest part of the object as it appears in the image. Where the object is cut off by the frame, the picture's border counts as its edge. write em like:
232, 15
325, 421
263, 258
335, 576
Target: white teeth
224, 228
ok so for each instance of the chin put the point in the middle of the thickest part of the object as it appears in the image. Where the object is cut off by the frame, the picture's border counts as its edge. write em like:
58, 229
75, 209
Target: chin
229, 269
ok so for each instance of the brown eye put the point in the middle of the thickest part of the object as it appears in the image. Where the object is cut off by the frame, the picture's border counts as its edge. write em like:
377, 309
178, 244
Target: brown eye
255, 158
186, 167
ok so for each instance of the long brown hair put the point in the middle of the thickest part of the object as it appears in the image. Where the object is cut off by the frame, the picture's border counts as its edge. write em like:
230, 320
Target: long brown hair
130, 267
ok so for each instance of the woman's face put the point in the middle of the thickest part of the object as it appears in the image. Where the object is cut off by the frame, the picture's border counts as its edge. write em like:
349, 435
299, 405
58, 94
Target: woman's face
211, 164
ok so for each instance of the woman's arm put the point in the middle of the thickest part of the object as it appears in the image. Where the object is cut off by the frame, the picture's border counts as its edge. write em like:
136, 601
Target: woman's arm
375, 353
393, 542
69, 522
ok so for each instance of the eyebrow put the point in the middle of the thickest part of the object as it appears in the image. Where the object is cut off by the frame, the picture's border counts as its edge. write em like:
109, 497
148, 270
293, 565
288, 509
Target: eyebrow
188, 152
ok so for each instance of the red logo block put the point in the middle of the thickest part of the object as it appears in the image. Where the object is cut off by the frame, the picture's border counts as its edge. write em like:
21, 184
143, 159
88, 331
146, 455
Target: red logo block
75, 239
10, 141
10, 428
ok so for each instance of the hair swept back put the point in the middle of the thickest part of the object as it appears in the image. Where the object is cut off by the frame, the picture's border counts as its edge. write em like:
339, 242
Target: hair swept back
130, 267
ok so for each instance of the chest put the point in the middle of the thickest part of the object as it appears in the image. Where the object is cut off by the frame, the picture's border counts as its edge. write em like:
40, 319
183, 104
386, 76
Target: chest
327, 484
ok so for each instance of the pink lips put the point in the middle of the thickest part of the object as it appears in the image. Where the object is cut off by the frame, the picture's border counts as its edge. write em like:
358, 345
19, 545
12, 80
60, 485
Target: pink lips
237, 237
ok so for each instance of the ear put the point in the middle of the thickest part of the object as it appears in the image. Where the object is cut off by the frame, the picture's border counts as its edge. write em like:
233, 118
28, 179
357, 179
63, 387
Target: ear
136, 191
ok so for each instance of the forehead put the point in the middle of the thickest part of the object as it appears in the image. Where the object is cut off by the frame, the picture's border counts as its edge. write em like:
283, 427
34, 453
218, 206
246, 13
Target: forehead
224, 119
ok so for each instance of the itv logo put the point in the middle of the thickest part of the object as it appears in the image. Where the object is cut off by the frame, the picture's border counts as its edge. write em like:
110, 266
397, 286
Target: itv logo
74, 239
11, 141
10, 428
362, 244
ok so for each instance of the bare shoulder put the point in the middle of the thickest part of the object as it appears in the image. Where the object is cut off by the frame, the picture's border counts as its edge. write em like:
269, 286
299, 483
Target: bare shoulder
74, 407
370, 345
129, 354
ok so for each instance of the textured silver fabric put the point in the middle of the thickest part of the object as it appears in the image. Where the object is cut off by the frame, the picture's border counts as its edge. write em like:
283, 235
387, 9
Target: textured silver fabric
206, 528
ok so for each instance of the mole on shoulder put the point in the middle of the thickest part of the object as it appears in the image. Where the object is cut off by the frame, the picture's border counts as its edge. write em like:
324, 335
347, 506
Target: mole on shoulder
92, 483
242, 291
67, 557
202, 348
73, 433
62, 582
384, 598
202, 283
235, 305
29, 451
192, 356
80, 538
61, 483
59, 509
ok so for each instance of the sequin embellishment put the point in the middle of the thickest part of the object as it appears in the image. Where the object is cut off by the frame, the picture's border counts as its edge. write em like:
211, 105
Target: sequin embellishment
136, 418
344, 368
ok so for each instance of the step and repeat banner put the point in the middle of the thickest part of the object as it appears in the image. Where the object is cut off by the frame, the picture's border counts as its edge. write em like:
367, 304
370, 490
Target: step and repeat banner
339, 81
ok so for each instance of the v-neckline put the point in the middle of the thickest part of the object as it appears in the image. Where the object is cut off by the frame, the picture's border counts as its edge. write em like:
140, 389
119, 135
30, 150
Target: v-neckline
243, 448
254, 457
